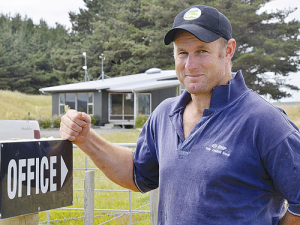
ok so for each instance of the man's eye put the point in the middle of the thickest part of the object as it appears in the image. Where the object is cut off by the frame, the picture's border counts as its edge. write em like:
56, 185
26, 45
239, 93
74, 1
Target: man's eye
183, 53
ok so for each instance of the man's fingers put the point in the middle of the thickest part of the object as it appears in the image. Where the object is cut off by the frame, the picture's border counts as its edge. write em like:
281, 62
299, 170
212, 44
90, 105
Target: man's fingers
69, 129
73, 123
65, 135
74, 120
83, 116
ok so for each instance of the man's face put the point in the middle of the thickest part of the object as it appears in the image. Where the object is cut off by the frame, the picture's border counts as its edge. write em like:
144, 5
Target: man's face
199, 66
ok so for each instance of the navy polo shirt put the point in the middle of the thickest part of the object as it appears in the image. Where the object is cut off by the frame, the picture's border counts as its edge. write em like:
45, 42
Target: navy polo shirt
237, 166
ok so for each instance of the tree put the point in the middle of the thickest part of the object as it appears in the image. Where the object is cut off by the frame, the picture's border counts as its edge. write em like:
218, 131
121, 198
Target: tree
130, 33
268, 47
26, 64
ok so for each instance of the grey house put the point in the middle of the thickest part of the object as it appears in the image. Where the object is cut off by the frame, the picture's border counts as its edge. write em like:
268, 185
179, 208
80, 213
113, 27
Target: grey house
116, 100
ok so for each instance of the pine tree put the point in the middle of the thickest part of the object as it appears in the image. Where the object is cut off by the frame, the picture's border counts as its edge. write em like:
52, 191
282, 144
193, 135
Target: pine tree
130, 33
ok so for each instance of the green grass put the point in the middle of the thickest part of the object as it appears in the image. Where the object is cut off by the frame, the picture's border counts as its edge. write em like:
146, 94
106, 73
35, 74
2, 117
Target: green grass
122, 136
17, 106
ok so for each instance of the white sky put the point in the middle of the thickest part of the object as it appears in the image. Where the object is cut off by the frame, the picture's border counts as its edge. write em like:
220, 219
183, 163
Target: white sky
285, 4
53, 11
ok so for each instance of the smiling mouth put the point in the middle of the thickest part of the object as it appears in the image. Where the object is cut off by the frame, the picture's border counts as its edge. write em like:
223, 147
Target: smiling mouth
194, 75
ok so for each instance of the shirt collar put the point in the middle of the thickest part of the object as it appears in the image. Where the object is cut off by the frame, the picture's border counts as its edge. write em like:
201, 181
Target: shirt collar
222, 95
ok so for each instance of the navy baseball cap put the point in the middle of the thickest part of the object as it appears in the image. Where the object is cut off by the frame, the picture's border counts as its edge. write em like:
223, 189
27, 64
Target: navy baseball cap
204, 22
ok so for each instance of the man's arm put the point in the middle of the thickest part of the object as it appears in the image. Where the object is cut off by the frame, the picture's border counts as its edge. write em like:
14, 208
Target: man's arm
114, 161
289, 219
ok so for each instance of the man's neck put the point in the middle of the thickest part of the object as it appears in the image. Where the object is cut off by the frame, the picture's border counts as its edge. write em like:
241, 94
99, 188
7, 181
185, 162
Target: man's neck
194, 111
200, 102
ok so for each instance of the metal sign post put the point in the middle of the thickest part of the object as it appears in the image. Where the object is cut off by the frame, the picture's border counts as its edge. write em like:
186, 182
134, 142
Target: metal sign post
35, 176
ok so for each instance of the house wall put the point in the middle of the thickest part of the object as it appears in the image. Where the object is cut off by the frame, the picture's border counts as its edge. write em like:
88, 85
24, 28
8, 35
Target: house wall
100, 106
161, 94
101, 102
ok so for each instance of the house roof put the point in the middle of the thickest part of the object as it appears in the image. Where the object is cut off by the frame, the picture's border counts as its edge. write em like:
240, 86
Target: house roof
152, 79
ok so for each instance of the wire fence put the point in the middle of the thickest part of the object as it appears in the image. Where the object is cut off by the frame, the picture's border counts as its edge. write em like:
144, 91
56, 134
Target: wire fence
112, 204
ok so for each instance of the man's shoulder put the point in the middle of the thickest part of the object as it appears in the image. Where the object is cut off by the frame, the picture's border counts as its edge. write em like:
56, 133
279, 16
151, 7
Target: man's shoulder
261, 113
257, 105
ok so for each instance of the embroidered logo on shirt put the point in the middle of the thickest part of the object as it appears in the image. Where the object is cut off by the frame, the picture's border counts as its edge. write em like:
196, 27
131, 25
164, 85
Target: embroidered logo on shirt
219, 149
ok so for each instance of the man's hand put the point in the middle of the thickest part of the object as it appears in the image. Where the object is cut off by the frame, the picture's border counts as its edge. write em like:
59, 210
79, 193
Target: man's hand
75, 126
114, 161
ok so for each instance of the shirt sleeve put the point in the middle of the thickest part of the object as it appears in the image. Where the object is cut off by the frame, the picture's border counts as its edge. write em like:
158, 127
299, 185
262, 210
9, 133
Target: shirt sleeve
283, 165
146, 167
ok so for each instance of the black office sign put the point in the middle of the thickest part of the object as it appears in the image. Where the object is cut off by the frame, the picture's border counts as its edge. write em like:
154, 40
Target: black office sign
35, 176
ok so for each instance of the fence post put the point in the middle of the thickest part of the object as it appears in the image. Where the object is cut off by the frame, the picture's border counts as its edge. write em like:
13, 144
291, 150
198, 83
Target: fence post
154, 196
48, 217
89, 187
130, 208
86, 162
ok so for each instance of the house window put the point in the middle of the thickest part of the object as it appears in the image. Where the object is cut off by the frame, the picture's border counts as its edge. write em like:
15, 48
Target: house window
90, 104
71, 100
82, 102
144, 105
121, 106
116, 106
128, 106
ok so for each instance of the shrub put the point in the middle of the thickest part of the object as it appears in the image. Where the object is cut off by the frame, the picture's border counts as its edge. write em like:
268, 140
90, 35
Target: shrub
44, 122
28, 117
94, 120
140, 121
56, 121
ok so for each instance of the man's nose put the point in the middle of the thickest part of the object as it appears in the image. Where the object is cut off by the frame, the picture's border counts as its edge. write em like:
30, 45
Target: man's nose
191, 62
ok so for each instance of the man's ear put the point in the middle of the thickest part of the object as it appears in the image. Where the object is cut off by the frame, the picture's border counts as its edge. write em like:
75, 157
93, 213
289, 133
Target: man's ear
230, 49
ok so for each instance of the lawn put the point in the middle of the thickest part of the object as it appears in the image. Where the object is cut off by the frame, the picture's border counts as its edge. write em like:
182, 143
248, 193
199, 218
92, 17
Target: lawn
17, 106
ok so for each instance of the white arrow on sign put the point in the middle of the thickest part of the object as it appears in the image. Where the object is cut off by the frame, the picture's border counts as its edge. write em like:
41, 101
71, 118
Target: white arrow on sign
64, 171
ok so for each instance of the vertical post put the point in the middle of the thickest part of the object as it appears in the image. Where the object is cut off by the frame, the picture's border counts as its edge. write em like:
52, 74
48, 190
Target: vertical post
135, 106
130, 208
102, 57
85, 66
89, 187
85, 71
31, 219
48, 217
86, 162
102, 72
154, 196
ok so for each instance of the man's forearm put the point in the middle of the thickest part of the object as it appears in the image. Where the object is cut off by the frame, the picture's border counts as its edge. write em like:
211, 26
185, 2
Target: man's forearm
290, 219
114, 161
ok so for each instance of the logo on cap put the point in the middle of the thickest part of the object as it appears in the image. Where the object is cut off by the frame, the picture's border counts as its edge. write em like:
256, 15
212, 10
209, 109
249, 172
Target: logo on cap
192, 14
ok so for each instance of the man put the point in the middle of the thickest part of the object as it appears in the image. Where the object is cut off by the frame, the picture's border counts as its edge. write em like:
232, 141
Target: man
219, 153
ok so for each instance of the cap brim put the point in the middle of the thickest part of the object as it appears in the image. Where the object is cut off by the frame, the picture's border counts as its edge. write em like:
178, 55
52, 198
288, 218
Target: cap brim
199, 32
